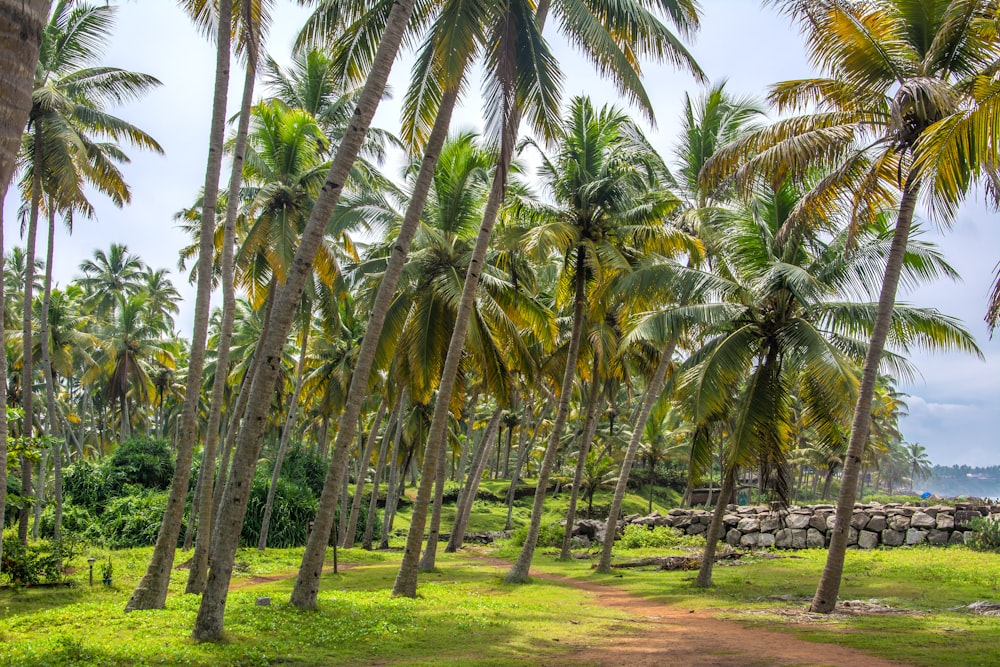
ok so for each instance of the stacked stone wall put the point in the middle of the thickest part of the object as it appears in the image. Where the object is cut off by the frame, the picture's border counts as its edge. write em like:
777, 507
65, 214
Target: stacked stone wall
806, 527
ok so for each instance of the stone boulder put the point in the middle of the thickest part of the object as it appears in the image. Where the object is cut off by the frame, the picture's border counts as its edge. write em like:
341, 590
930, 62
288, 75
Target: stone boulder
922, 520
893, 538
945, 521
915, 536
797, 521
815, 539
935, 536
733, 537
867, 539
748, 525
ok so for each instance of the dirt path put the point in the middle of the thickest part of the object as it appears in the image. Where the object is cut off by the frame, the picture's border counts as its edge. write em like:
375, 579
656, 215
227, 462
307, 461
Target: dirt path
682, 637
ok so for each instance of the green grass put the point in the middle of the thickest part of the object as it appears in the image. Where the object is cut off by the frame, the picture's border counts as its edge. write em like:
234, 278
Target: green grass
463, 615
930, 584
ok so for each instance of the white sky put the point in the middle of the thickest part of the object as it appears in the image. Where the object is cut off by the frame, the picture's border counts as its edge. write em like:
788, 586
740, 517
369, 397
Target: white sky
954, 407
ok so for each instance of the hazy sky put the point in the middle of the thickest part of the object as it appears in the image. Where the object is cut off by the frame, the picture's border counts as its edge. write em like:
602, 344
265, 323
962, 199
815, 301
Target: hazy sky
954, 406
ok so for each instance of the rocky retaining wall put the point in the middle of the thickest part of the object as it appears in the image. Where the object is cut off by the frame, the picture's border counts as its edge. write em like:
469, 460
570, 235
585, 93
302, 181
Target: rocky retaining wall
808, 527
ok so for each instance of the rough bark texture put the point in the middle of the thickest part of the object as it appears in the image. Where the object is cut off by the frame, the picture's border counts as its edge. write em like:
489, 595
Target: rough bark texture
21, 24
715, 528
589, 428
391, 485
518, 572
3, 379
52, 421
151, 593
427, 560
652, 392
209, 622
383, 451
307, 582
829, 584
468, 495
26, 332
286, 436
198, 573
350, 528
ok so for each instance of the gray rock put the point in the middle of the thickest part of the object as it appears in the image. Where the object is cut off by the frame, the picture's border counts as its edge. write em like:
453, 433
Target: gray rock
893, 538
797, 521
957, 537
867, 539
580, 542
765, 540
932, 511
962, 517
859, 520
769, 523
822, 507
730, 519
815, 539
945, 521
922, 520
899, 522
852, 535
817, 523
696, 528
915, 536
799, 538
263, 602
733, 537
748, 525
750, 540
876, 524
935, 536
783, 538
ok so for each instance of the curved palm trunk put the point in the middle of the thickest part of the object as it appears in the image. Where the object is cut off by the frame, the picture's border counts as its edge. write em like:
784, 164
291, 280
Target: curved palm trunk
649, 397
209, 622
392, 485
21, 24
307, 582
468, 496
427, 560
3, 377
829, 584
383, 451
286, 436
715, 528
518, 573
50, 391
198, 573
350, 528
589, 428
151, 593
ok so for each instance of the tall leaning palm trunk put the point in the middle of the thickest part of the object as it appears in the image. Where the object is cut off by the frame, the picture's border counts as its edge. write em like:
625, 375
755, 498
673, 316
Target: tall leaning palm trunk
209, 622
198, 573
518, 572
587, 437
307, 582
406, 578
350, 528
825, 598
151, 592
649, 397
21, 23
50, 391
3, 381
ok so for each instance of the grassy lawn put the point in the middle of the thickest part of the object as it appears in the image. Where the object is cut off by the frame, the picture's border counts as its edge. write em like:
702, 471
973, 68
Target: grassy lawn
925, 586
464, 615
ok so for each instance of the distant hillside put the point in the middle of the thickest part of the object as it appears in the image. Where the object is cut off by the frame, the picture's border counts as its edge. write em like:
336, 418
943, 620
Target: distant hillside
962, 481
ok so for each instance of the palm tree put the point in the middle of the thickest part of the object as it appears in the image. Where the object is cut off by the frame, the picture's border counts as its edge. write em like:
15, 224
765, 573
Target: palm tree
919, 463
893, 70
109, 276
610, 208
209, 622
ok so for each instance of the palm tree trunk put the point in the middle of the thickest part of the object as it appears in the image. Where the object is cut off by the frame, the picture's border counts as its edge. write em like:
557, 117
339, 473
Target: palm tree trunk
350, 528
286, 433
649, 397
518, 573
392, 486
21, 24
307, 582
383, 451
468, 497
3, 362
829, 585
151, 593
524, 447
198, 573
589, 428
427, 560
715, 528
50, 391
463, 457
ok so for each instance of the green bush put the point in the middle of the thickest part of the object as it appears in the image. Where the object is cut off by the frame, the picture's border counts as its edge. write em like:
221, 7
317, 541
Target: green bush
76, 520
143, 461
29, 565
90, 485
548, 536
987, 534
130, 521
637, 536
294, 507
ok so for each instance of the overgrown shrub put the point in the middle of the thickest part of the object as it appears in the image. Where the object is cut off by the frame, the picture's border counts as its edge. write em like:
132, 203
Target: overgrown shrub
143, 461
987, 534
548, 536
294, 507
637, 536
29, 565
130, 521
90, 485
76, 520
303, 467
